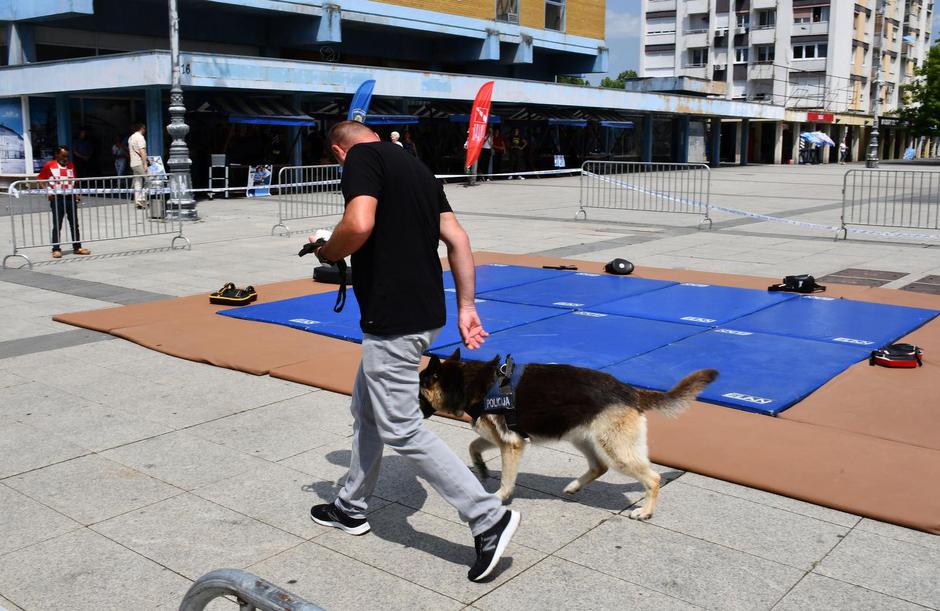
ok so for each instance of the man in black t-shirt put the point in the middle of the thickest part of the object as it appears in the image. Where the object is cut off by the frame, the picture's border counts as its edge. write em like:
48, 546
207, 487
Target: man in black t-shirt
396, 214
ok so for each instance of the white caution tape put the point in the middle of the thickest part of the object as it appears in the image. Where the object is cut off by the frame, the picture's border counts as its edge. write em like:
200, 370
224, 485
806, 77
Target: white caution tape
536, 173
765, 217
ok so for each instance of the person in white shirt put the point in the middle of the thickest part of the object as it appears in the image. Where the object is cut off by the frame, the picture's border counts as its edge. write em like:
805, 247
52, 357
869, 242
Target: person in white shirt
395, 139
137, 149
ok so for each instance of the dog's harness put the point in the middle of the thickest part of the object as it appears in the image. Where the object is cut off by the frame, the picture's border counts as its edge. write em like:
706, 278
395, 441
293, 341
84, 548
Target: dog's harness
501, 397
897, 355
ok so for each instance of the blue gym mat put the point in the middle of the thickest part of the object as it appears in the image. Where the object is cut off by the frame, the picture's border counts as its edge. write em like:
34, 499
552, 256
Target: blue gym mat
843, 321
576, 290
757, 372
696, 304
496, 276
315, 313
584, 339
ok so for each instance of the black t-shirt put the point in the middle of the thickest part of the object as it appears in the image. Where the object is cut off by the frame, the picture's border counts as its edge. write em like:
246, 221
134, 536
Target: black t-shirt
397, 272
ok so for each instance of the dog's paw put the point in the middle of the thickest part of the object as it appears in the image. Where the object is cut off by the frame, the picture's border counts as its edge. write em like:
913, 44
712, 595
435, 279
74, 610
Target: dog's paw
573, 487
481, 471
503, 494
640, 514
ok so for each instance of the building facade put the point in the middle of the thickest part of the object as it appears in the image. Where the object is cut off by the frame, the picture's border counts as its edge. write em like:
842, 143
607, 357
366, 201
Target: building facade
819, 55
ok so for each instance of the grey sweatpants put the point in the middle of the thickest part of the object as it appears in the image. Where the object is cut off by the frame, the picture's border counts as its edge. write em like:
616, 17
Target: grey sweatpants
385, 410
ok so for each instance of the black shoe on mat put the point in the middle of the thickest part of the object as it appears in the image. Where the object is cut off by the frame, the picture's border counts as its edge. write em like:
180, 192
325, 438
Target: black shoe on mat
491, 545
329, 514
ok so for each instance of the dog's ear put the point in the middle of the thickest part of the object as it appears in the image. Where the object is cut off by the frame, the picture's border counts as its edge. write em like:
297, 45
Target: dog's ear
455, 356
434, 364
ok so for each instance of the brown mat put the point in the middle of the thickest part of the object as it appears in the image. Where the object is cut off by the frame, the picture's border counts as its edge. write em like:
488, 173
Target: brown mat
838, 448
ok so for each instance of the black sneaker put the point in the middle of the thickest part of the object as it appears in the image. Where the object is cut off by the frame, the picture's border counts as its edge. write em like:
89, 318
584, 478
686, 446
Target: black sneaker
330, 515
491, 545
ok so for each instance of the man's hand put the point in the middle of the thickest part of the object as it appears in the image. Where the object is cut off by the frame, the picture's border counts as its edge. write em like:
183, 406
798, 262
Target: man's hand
471, 329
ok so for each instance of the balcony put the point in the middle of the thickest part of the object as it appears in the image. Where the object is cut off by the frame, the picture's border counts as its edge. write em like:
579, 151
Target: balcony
695, 38
766, 36
808, 65
695, 70
760, 72
763, 4
810, 29
661, 5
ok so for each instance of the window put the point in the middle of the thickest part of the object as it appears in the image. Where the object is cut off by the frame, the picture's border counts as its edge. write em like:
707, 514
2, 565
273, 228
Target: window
810, 51
766, 19
740, 55
555, 15
507, 10
698, 57
744, 20
765, 54
816, 14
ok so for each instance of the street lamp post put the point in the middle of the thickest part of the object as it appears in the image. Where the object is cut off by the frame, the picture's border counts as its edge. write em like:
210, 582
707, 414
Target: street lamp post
181, 203
872, 161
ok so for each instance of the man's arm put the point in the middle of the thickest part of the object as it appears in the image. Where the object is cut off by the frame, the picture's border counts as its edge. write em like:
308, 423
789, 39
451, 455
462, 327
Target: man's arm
143, 157
462, 267
353, 229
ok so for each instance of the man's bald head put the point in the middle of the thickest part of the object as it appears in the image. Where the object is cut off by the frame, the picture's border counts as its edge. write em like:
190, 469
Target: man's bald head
347, 134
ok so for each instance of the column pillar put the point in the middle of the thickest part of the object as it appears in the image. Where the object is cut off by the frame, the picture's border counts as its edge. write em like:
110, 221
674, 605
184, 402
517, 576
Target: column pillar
63, 119
778, 142
744, 141
682, 141
826, 149
295, 137
153, 107
21, 44
738, 157
715, 143
795, 145
646, 153
759, 142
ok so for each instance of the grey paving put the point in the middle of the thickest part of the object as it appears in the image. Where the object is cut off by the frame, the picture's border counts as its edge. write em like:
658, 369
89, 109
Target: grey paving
126, 473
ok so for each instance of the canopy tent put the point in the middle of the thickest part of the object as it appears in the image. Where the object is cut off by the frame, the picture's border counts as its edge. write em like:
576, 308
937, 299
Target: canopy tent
818, 138
258, 111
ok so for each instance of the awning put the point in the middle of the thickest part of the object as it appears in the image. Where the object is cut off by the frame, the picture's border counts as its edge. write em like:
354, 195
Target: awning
258, 111
567, 122
618, 124
380, 112
494, 119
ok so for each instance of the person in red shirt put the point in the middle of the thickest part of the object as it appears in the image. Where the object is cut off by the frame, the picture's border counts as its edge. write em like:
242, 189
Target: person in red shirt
60, 174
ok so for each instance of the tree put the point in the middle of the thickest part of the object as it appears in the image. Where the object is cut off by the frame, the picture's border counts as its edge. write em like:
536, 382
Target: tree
620, 82
572, 80
921, 109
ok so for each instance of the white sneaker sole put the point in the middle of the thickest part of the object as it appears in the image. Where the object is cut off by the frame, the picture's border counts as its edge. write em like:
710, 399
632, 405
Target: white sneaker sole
355, 530
504, 539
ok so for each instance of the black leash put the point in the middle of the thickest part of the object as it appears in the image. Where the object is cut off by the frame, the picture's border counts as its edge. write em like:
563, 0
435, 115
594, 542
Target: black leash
311, 247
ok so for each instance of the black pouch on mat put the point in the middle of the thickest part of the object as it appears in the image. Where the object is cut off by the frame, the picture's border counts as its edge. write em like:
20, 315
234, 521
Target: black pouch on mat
804, 283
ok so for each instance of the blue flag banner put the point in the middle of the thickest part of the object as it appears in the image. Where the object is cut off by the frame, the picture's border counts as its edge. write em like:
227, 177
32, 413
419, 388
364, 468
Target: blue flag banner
360, 102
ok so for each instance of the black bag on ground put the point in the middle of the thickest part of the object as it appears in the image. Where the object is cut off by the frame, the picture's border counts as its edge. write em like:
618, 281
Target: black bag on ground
804, 283
233, 296
620, 267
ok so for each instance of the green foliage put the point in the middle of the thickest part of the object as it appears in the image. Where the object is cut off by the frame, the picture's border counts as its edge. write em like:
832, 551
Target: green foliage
572, 80
922, 106
620, 81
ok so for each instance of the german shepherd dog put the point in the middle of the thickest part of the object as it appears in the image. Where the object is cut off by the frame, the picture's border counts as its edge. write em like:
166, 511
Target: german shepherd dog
602, 417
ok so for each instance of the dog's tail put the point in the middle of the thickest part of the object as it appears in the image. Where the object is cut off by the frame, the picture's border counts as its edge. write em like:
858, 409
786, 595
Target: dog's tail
673, 402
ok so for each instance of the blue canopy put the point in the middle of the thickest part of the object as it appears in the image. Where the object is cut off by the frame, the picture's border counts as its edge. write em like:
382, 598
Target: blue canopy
618, 124
494, 119
568, 122
258, 111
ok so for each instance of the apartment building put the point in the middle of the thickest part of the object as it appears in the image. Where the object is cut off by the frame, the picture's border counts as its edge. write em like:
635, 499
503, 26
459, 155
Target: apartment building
817, 55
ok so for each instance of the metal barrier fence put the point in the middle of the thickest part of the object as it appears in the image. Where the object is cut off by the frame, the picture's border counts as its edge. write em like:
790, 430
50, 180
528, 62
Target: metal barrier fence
251, 592
649, 187
307, 192
890, 198
60, 212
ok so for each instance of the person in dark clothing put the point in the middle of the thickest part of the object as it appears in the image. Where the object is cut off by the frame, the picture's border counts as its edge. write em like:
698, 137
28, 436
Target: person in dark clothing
396, 215
84, 155
517, 145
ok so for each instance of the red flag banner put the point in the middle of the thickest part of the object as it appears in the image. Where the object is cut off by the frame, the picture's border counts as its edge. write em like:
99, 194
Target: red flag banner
478, 119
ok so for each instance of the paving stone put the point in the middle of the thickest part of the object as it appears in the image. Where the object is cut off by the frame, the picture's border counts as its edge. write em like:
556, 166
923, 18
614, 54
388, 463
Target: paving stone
9, 378
193, 536
554, 582
6, 605
25, 521
824, 594
427, 551
695, 571
23, 448
271, 432
276, 495
900, 569
772, 500
899, 533
183, 460
91, 489
322, 576
763, 531
83, 571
